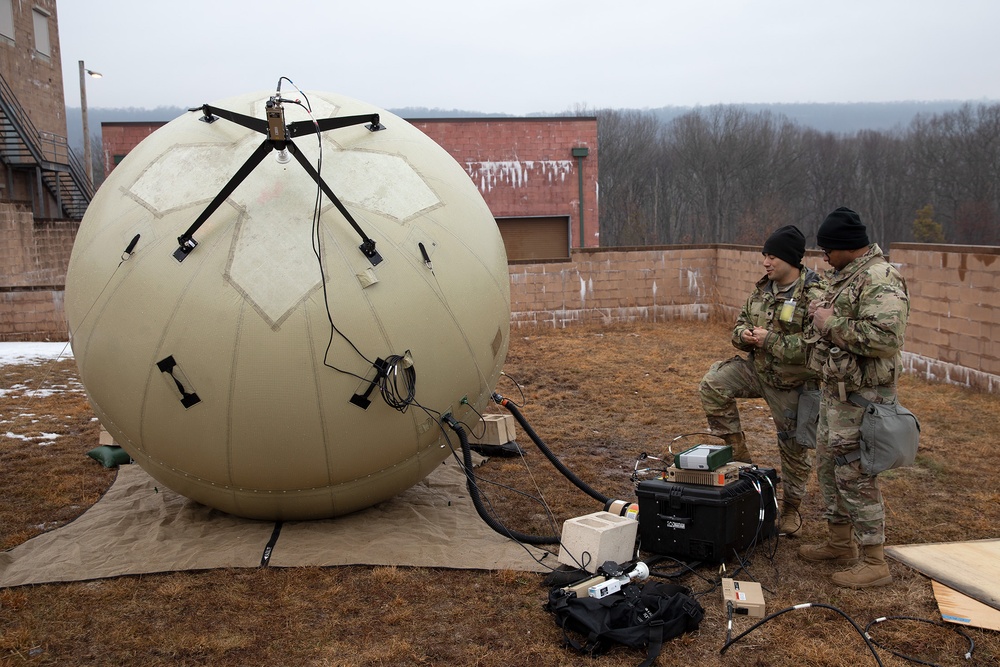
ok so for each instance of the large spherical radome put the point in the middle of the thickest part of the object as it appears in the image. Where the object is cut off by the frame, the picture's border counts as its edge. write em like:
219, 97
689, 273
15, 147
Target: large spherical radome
241, 375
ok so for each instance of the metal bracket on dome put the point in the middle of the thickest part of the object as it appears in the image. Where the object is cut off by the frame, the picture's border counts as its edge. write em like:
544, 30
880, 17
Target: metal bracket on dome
363, 400
279, 137
178, 381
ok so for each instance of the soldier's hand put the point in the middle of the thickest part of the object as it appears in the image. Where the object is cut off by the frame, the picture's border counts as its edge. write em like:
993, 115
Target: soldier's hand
820, 316
814, 304
748, 337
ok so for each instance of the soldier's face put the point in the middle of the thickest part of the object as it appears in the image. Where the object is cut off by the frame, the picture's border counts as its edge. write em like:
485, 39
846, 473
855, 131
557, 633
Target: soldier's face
779, 270
838, 259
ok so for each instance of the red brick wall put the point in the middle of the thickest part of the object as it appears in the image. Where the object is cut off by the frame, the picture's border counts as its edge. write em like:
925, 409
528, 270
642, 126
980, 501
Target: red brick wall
524, 167
120, 138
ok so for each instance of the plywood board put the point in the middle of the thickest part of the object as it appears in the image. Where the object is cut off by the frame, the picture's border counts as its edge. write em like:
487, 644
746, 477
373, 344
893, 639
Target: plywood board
963, 610
971, 568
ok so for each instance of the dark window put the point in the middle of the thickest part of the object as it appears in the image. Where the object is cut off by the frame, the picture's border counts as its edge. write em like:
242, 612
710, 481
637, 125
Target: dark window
535, 238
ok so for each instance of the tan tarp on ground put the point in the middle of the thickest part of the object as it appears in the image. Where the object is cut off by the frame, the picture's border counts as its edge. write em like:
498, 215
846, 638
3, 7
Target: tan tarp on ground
137, 528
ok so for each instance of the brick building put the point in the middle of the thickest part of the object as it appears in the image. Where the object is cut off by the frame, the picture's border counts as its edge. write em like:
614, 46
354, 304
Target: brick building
537, 175
118, 138
44, 190
37, 166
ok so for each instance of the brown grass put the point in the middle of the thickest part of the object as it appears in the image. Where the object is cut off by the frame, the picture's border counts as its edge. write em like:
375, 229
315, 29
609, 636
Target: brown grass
598, 397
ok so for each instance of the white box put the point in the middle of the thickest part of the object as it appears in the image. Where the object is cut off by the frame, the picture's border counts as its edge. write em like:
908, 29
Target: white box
588, 541
496, 430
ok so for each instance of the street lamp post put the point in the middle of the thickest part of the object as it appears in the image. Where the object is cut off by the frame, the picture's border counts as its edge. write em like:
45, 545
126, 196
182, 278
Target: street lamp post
87, 164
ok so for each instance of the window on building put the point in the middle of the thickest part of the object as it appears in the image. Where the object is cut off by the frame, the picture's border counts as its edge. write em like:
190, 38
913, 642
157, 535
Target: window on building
41, 18
535, 238
6, 19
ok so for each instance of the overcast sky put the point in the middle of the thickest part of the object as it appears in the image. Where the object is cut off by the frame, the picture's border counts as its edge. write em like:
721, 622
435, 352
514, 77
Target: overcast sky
524, 56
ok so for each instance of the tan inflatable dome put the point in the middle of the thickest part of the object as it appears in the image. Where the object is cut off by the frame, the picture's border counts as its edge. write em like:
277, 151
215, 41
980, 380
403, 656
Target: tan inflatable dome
214, 355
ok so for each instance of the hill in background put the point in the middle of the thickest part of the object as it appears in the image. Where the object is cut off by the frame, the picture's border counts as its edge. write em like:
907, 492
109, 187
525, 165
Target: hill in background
841, 118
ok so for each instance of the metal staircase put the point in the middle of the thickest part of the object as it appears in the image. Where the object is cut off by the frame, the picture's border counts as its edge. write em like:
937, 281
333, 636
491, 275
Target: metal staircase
23, 147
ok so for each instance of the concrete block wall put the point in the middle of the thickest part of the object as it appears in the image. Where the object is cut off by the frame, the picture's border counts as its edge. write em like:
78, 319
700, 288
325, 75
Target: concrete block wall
954, 328
34, 255
953, 333
617, 285
32, 315
526, 164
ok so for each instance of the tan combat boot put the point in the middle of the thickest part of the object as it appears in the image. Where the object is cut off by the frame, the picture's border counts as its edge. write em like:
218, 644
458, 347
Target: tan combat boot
839, 548
790, 521
870, 571
739, 444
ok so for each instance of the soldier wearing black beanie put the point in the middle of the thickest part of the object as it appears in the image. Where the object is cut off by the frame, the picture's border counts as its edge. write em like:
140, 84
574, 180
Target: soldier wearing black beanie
842, 230
859, 329
786, 243
771, 331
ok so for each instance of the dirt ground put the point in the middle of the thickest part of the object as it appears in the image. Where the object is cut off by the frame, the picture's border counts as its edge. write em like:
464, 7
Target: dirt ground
598, 397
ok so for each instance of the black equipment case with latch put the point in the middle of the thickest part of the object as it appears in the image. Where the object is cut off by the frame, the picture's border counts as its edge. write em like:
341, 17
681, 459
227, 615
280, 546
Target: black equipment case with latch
707, 523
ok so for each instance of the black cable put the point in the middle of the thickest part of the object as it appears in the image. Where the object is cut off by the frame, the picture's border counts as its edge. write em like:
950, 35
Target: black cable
481, 418
397, 384
399, 390
806, 605
968, 654
491, 520
477, 500
517, 384
580, 484
729, 623
307, 106
436, 416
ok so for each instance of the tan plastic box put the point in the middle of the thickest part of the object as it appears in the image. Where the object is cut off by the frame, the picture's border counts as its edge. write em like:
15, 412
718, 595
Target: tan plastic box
588, 541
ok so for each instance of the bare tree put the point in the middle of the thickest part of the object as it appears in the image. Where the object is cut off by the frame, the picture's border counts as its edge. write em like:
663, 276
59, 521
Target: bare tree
722, 174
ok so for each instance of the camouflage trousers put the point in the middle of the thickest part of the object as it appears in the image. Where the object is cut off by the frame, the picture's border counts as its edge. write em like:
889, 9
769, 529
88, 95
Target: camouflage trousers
736, 378
849, 495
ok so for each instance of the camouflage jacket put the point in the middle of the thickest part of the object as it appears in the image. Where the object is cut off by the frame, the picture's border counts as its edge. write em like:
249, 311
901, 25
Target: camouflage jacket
869, 319
781, 362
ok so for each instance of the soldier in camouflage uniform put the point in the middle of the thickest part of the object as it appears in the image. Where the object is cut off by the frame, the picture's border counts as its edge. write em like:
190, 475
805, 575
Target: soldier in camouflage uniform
860, 329
775, 367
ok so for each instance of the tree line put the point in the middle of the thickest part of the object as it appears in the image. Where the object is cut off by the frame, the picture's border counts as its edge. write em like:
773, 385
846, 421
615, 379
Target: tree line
724, 174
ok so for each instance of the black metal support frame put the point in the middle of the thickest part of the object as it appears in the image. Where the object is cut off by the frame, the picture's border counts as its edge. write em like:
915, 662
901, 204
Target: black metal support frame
278, 136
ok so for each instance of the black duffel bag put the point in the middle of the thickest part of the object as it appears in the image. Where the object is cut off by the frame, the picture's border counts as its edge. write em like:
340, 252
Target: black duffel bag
639, 615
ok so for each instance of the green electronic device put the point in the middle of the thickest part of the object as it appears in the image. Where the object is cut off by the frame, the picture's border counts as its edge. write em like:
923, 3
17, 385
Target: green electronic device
704, 457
